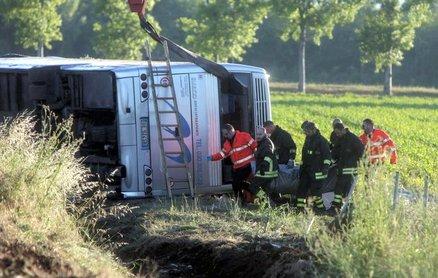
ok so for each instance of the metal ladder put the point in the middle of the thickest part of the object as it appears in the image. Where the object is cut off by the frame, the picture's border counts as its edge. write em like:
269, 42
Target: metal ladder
176, 124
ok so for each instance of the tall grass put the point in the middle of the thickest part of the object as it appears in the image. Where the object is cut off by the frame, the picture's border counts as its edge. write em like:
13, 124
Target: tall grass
39, 175
382, 241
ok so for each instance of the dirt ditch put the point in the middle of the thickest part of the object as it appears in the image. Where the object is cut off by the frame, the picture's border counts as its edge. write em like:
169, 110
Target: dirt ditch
183, 257
17, 259
180, 255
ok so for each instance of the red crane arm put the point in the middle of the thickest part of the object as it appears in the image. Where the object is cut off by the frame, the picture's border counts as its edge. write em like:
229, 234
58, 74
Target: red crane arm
138, 6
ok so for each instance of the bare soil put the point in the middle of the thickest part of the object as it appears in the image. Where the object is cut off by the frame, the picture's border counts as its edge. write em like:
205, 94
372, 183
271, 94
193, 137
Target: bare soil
182, 257
185, 255
17, 259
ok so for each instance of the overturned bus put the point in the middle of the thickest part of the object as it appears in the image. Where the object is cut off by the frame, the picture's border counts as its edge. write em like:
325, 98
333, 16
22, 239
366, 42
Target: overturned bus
111, 104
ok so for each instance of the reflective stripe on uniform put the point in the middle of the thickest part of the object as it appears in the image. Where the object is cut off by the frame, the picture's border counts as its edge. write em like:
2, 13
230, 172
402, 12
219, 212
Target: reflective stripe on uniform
349, 171
222, 154
271, 163
319, 202
301, 202
377, 156
241, 148
338, 199
244, 159
320, 176
271, 174
379, 143
327, 161
238, 149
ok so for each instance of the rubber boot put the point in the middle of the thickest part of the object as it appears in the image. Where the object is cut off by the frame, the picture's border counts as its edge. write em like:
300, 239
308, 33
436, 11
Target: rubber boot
248, 197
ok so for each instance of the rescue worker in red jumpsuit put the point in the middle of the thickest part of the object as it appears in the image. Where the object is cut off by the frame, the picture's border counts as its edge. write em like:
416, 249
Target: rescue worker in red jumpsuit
240, 147
378, 145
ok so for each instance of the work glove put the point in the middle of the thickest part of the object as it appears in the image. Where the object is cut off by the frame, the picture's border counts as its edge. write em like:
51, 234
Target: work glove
209, 158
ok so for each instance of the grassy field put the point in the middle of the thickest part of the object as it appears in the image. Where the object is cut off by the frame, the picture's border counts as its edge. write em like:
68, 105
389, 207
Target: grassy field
412, 122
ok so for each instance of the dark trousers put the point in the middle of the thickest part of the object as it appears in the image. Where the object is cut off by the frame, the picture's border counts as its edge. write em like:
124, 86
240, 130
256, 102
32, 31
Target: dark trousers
261, 183
343, 184
240, 179
342, 188
308, 184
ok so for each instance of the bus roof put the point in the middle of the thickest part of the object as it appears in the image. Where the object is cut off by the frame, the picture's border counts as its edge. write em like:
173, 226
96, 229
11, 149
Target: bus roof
90, 64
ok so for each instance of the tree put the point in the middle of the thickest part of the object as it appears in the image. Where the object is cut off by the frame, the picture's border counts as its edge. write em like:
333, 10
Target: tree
223, 29
310, 20
388, 31
37, 22
118, 31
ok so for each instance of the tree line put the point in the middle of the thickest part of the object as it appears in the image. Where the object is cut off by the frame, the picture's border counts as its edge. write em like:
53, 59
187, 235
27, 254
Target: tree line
339, 38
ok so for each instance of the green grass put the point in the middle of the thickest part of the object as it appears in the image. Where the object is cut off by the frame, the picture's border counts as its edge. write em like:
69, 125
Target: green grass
412, 122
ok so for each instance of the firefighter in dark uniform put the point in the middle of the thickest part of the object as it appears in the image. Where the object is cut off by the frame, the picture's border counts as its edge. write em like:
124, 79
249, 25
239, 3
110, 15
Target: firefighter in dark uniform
314, 169
346, 153
333, 136
266, 165
285, 148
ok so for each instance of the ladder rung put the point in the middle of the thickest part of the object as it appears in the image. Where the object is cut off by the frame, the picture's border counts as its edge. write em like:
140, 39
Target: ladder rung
169, 125
179, 180
170, 139
164, 98
167, 112
176, 166
179, 152
164, 86
161, 71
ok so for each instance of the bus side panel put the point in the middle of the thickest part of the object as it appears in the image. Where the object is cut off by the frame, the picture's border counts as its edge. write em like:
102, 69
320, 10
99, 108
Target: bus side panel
145, 174
206, 131
127, 133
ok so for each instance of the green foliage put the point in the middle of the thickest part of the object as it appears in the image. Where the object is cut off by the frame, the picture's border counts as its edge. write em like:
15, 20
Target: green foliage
389, 30
317, 17
37, 23
223, 29
118, 31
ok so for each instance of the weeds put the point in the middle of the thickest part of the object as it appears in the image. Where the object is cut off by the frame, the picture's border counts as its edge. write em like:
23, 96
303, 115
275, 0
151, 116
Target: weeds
39, 177
382, 242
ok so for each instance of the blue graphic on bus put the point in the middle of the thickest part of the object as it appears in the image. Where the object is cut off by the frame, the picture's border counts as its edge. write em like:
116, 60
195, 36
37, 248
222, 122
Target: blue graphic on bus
185, 132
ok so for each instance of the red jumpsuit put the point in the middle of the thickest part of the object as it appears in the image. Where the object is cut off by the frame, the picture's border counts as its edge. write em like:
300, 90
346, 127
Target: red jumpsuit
378, 146
241, 152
